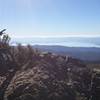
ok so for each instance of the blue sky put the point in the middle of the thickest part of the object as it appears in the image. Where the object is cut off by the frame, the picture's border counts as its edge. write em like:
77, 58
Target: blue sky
50, 17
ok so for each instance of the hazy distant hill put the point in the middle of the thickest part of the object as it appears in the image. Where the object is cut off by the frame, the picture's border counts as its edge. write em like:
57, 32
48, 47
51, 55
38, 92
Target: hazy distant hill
84, 53
84, 48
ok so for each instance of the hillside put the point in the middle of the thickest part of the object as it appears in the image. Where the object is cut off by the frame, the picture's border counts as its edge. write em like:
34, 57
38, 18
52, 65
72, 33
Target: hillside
44, 77
29, 74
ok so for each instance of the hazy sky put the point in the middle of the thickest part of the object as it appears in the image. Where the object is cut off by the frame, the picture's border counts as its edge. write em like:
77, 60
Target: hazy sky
50, 17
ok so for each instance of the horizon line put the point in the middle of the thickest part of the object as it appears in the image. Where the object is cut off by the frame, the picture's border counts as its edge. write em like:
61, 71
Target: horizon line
55, 36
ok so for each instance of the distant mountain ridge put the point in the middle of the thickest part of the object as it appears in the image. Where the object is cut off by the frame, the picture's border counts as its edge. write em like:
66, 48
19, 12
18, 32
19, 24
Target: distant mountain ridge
87, 54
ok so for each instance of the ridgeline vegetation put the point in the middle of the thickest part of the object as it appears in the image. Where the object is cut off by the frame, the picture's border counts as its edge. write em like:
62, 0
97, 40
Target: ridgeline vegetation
29, 74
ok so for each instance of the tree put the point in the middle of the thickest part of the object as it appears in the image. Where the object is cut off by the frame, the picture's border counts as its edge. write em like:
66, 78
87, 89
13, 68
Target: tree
6, 62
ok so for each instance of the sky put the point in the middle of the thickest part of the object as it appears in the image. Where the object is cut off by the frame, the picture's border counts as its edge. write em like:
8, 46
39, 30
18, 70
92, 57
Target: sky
50, 17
